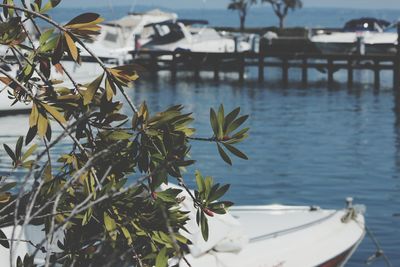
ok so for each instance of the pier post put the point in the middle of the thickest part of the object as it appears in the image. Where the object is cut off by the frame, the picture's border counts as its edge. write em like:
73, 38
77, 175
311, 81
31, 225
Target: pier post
260, 66
377, 78
216, 67
153, 65
304, 71
241, 66
350, 73
330, 71
197, 61
173, 67
396, 62
285, 71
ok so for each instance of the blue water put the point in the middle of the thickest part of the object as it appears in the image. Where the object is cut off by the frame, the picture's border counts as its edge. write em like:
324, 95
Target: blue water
308, 146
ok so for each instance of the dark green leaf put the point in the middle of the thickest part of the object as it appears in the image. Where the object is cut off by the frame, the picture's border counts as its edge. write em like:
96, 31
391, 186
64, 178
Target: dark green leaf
236, 151
221, 118
18, 147
223, 155
10, 152
240, 133
236, 124
31, 134
84, 18
230, 117
7, 187
219, 193
204, 226
214, 121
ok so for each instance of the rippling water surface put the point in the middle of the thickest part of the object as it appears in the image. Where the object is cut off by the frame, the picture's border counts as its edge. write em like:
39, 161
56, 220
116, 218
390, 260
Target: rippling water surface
308, 145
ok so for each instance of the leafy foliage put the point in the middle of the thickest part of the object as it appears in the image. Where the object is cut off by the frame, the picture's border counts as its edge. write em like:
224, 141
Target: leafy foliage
242, 7
103, 196
282, 7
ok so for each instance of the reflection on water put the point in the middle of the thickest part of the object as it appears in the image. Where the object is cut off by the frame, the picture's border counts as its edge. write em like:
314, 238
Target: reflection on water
308, 146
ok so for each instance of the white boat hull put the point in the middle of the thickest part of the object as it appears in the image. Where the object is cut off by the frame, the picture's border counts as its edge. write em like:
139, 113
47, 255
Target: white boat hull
289, 237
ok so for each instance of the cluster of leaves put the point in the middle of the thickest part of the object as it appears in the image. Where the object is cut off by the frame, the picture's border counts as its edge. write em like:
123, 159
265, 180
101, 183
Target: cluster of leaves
104, 195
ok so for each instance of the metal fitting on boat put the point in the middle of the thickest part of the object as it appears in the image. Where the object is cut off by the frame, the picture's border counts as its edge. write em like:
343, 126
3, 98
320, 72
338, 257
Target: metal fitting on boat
349, 202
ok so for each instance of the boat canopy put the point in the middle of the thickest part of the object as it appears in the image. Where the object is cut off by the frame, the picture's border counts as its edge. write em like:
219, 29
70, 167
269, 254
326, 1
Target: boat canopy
366, 24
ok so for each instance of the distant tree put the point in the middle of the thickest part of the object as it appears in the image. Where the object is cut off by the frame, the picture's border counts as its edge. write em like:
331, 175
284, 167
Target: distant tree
242, 6
282, 7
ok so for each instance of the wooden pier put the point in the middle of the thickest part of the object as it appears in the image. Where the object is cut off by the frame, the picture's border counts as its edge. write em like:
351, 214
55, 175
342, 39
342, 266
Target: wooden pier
176, 61
237, 62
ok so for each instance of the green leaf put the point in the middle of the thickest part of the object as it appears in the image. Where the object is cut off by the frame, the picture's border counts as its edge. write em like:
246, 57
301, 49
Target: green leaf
86, 18
116, 135
223, 155
169, 195
29, 152
200, 182
236, 151
214, 121
240, 133
45, 36
204, 226
230, 117
221, 118
162, 259
50, 5
3, 240
10, 152
236, 124
7, 187
218, 193
47, 176
18, 147
110, 226
87, 216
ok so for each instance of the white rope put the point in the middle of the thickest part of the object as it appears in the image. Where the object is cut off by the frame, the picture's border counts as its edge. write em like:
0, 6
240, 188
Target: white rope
293, 229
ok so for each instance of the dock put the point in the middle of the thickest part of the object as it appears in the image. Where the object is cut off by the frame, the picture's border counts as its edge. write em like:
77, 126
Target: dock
176, 61
183, 60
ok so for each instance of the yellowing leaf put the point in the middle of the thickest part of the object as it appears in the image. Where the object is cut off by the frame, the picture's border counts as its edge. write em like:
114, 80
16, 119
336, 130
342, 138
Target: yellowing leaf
54, 112
29, 152
91, 90
73, 50
5, 197
47, 176
110, 226
127, 235
42, 125
33, 118
5, 80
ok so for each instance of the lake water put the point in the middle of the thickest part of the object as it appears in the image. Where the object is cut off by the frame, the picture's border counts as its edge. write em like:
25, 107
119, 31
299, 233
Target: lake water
308, 146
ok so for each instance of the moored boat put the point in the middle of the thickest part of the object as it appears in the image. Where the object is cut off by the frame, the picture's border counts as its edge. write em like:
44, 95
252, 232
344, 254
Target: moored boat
268, 236
368, 34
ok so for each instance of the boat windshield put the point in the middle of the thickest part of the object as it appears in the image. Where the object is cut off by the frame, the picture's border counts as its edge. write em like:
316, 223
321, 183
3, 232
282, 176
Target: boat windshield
365, 24
168, 33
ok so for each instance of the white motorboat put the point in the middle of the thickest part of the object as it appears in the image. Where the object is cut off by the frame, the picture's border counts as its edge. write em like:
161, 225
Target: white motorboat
369, 32
268, 236
118, 38
183, 35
